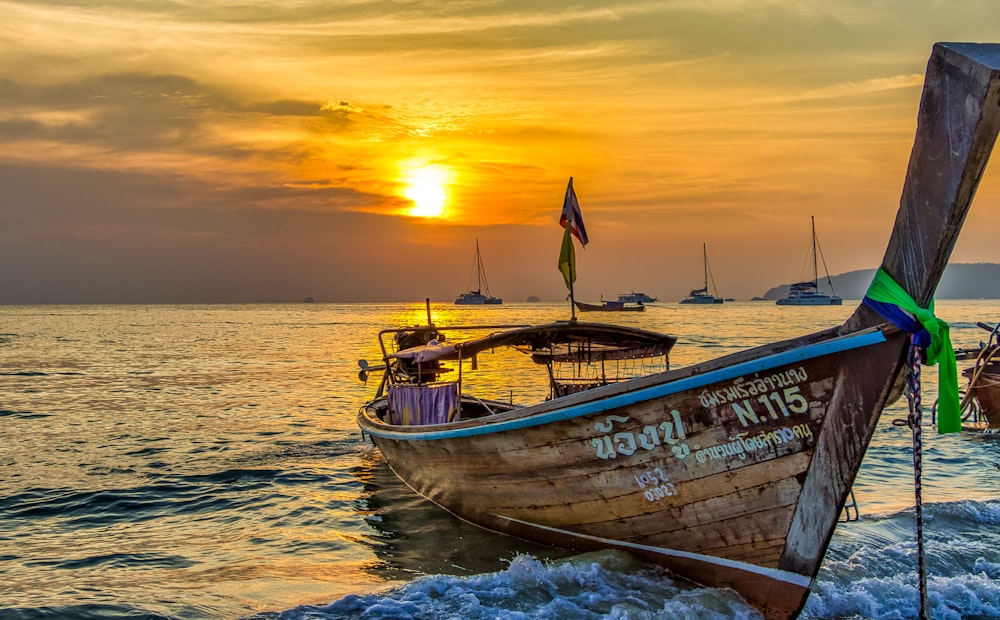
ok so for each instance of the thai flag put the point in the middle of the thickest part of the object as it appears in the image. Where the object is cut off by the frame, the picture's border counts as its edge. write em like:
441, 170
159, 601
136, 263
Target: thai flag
571, 215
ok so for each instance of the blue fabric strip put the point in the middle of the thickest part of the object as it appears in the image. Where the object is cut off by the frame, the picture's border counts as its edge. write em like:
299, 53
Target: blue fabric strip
901, 319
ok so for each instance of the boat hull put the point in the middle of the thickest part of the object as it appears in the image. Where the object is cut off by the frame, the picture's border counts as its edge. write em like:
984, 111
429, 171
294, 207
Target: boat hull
608, 307
835, 301
476, 299
730, 474
709, 300
811, 300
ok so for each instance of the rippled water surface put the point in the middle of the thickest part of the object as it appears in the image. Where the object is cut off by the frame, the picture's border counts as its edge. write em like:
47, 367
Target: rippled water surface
204, 462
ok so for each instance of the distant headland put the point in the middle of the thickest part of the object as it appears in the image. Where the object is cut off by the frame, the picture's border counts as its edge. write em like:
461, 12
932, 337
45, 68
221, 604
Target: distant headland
960, 281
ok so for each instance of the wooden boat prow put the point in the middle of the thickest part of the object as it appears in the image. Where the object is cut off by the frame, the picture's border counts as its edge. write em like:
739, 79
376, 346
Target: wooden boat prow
732, 472
980, 405
938, 190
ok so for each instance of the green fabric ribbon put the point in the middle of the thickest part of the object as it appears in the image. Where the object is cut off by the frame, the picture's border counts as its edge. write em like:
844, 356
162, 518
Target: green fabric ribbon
884, 289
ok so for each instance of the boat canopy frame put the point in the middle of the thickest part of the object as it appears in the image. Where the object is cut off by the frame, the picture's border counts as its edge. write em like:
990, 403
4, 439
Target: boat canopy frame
573, 342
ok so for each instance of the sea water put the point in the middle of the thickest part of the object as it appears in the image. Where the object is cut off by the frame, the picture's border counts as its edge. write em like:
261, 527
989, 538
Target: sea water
205, 462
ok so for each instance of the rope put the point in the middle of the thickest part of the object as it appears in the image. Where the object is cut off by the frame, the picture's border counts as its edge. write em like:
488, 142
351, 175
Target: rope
913, 421
984, 358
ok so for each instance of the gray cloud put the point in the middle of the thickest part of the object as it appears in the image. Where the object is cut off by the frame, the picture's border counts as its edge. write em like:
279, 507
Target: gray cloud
133, 110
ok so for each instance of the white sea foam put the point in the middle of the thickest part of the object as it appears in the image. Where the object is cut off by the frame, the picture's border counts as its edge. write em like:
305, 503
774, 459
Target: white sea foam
606, 585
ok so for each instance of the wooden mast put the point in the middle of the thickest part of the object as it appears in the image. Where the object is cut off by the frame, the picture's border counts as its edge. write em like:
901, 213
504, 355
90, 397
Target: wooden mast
812, 218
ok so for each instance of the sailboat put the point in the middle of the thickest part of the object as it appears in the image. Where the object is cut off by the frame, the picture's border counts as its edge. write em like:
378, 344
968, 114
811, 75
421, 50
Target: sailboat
480, 296
701, 295
807, 293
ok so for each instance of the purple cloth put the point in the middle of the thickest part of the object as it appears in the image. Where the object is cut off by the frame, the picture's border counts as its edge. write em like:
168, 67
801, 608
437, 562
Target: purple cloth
411, 405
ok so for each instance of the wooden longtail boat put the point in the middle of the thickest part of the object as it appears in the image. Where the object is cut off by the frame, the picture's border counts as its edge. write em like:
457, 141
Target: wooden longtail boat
730, 473
982, 394
609, 306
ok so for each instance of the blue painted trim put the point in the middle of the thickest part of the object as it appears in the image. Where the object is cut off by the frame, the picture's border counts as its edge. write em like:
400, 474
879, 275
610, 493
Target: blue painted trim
813, 351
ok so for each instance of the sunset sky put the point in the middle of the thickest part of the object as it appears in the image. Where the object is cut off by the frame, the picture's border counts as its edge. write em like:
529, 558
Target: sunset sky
214, 151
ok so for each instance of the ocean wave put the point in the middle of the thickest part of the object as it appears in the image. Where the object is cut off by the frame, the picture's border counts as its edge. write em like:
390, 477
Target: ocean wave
116, 561
81, 612
23, 415
168, 494
871, 568
895, 597
606, 585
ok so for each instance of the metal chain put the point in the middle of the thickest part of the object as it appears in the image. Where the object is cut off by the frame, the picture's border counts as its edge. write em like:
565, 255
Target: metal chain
913, 421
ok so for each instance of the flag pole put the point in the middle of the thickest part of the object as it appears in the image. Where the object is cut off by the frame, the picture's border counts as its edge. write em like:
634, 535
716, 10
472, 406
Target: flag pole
571, 219
572, 302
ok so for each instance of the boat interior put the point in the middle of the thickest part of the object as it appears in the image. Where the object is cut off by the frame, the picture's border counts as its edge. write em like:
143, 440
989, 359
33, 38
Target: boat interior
423, 371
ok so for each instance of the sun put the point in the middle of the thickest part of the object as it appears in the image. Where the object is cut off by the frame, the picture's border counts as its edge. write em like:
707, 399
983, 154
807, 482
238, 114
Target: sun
427, 187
